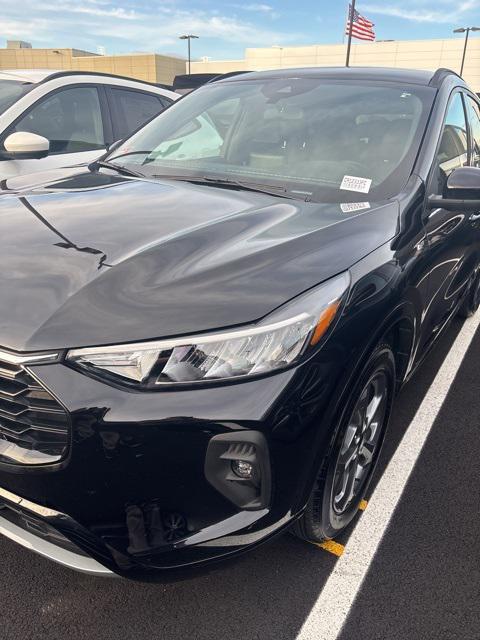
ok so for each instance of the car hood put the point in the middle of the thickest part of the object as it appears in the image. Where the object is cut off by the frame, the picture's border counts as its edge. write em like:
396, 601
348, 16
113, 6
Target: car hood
96, 258
21, 183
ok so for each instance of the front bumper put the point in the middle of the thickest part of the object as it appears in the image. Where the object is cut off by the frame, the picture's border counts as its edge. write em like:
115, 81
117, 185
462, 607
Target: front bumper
20, 521
132, 493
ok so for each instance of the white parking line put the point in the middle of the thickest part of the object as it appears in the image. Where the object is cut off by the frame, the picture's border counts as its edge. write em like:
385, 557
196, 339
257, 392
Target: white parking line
332, 607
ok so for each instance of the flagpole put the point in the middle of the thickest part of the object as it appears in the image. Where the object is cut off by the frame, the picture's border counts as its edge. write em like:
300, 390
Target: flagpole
349, 44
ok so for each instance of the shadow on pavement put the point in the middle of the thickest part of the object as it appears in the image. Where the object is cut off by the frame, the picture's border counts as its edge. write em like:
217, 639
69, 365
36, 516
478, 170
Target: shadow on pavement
424, 582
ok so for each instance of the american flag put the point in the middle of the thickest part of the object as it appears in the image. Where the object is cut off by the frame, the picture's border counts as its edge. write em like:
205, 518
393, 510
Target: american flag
361, 27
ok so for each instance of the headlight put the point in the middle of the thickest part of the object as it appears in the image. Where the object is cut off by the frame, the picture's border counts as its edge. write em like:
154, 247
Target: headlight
275, 342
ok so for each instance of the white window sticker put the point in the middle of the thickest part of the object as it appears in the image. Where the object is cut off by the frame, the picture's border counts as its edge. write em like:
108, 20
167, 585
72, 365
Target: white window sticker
350, 207
352, 183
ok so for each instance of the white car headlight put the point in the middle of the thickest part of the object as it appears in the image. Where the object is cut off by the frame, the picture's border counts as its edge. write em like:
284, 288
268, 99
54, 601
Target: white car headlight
275, 342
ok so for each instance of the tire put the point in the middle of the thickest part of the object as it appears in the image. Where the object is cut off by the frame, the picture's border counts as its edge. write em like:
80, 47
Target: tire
472, 300
337, 492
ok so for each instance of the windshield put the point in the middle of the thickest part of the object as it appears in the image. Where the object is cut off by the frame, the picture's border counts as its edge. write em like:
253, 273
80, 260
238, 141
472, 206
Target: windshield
10, 92
329, 141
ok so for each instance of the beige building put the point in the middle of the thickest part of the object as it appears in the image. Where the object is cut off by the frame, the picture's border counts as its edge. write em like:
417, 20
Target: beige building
416, 54
152, 67
143, 66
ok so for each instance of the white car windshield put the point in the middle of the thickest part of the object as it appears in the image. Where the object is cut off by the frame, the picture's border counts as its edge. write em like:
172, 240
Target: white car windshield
316, 139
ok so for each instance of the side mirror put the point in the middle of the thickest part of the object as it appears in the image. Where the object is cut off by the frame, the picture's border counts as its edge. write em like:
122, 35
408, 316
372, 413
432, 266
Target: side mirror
24, 145
465, 182
462, 191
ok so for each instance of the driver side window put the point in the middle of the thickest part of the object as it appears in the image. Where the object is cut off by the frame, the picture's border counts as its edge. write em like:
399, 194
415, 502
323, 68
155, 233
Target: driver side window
70, 119
453, 149
474, 113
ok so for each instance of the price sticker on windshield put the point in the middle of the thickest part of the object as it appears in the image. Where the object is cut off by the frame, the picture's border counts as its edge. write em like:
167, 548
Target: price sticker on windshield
350, 207
352, 183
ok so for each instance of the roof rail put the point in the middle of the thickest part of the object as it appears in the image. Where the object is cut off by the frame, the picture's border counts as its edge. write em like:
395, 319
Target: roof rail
440, 75
62, 74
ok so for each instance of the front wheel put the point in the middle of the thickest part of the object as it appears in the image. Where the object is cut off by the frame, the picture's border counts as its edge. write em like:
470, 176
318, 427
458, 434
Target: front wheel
343, 477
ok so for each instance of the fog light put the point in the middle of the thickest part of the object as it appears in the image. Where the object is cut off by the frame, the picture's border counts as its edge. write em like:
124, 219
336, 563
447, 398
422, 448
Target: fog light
242, 469
237, 464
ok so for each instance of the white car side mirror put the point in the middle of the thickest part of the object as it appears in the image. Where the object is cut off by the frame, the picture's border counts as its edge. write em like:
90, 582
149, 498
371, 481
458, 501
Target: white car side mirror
26, 145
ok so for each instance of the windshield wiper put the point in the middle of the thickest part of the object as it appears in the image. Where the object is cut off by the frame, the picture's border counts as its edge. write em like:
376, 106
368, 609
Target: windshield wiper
116, 167
132, 153
268, 189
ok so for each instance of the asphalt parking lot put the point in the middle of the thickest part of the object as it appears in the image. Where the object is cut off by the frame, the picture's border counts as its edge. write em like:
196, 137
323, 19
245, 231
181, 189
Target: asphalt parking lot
424, 581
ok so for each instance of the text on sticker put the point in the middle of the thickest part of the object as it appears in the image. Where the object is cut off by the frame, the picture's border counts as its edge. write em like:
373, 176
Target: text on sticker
349, 207
352, 183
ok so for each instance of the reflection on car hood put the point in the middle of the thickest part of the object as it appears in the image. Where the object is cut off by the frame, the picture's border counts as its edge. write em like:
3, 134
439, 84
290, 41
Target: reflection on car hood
56, 178
95, 258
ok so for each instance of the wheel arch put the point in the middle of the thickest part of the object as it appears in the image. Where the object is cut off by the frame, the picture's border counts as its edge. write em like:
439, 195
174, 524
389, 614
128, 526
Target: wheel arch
399, 331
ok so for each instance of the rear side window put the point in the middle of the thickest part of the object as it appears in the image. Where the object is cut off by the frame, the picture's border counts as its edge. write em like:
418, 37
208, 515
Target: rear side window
132, 109
474, 114
71, 119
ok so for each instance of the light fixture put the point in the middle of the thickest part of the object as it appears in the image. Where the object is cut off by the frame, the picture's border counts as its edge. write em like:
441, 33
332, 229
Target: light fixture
242, 469
466, 31
290, 333
188, 37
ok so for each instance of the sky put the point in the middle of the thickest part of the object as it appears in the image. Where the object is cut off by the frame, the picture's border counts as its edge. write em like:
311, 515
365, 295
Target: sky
225, 27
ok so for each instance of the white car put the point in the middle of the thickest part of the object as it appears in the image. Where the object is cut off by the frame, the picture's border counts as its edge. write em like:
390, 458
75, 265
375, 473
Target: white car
51, 119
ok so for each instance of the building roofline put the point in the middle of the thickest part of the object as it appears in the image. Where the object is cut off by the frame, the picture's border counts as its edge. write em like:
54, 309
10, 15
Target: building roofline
339, 44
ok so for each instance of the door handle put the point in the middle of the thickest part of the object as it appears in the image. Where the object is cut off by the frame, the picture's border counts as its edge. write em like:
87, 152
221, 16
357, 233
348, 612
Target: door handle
474, 217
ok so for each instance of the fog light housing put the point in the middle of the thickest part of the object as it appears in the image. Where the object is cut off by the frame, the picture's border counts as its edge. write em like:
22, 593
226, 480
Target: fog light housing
238, 465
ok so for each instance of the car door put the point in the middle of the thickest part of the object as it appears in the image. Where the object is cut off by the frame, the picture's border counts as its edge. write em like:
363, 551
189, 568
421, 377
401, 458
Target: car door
72, 119
130, 109
451, 237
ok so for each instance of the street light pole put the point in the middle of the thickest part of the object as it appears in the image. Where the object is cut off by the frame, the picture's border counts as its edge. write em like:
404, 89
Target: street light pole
280, 49
188, 38
466, 31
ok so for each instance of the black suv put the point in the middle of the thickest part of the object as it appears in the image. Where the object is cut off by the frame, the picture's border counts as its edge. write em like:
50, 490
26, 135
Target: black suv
203, 332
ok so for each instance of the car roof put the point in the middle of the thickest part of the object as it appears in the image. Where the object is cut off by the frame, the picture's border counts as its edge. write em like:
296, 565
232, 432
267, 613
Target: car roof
36, 76
385, 74
27, 75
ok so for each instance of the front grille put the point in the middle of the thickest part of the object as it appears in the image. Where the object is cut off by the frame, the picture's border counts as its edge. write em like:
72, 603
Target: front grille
34, 427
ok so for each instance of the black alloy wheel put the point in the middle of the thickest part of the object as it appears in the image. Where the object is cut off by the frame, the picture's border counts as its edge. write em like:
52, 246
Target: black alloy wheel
344, 475
360, 442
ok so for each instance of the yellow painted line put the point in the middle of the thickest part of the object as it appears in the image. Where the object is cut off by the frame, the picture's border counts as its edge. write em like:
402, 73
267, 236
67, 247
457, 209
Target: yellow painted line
363, 505
332, 547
